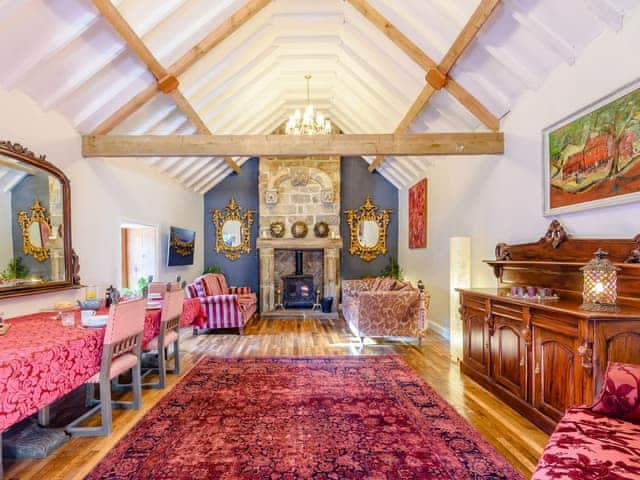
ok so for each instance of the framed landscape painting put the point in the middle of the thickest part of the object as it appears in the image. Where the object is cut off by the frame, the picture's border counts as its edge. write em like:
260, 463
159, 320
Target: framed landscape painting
418, 215
592, 158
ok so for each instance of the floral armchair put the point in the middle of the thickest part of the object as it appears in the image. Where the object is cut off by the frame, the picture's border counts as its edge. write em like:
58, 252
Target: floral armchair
384, 307
226, 307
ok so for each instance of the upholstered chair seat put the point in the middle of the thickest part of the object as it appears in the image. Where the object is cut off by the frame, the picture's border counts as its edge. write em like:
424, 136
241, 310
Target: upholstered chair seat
169, 338
118, 366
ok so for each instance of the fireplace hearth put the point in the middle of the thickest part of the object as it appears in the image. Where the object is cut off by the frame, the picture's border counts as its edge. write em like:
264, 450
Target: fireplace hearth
297, 289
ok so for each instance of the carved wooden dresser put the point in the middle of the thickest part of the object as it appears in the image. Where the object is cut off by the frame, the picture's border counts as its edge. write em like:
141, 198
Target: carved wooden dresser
542, 356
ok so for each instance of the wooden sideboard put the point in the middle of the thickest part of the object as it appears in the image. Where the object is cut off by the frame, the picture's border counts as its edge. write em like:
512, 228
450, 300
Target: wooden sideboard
542, 357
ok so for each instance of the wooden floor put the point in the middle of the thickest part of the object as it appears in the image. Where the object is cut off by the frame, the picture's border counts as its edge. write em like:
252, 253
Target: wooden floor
510, 433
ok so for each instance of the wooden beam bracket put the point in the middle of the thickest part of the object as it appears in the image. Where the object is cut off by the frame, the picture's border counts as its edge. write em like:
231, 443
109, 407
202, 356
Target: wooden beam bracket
436, 78
168, 84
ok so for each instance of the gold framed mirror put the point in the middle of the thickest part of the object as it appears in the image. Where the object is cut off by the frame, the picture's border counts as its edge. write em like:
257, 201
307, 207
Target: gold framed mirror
36, 230
233, 230
368, 230
36, 253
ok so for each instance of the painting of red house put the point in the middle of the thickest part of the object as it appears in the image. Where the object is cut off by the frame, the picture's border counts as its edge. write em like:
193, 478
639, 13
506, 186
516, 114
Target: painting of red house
418, 215
592, 158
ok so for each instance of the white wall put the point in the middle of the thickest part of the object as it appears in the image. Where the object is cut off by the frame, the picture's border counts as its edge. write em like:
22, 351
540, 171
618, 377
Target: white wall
499, 199
6, 236
104, 193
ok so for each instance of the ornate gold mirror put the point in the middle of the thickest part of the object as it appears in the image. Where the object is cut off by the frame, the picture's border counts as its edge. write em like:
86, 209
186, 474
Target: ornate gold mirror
36, 231
233, 230
368, 230
35, 224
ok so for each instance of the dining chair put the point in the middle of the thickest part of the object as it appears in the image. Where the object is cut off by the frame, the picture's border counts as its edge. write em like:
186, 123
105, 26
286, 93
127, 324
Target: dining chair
169, 334
120, 353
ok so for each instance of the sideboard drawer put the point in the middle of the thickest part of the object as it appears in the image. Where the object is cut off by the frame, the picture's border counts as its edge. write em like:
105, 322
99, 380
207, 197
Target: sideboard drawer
508, 310
474, 302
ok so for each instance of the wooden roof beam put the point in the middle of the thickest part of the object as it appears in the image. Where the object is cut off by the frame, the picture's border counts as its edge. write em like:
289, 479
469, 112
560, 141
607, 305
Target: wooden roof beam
166, 82
437, 76
292, 145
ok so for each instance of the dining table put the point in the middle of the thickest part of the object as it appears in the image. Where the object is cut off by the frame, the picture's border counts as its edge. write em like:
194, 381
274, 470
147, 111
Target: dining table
41, 360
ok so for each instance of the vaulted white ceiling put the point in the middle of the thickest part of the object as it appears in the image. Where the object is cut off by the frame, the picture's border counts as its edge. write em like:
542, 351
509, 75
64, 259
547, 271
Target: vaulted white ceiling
68, 58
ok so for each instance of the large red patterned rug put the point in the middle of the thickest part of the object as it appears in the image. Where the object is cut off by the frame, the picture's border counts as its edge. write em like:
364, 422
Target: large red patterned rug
313, 417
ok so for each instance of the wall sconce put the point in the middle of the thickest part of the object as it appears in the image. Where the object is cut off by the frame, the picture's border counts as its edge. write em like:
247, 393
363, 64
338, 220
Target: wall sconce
600, 290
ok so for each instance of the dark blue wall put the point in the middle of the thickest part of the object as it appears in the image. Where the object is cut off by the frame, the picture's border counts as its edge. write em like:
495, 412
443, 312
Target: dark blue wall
357, 183
244, 187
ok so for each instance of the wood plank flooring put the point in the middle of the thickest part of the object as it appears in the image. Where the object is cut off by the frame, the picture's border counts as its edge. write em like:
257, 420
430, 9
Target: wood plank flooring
511, 434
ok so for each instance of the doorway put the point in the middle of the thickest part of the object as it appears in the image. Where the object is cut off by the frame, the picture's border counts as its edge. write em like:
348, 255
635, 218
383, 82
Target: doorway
138, 253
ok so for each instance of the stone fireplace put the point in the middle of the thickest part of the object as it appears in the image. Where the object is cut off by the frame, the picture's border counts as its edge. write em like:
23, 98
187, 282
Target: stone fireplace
294, 190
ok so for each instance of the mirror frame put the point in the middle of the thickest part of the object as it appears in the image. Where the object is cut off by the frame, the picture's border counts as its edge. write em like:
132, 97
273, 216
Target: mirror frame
71, 265
36, 215
233, 212
368, 211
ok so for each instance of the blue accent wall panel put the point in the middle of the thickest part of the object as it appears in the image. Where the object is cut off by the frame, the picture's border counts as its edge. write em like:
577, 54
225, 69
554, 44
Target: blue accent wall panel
244, 187
357, 183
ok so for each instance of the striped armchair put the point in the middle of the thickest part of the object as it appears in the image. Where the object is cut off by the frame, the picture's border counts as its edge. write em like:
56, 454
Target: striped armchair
226, 307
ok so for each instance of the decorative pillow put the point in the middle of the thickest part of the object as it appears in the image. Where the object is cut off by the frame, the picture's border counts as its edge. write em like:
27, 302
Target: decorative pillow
384, 284
211, 285
620, 395
192, 292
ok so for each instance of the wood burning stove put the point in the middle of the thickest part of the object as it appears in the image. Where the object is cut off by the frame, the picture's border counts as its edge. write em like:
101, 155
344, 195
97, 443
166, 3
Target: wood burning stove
297, 289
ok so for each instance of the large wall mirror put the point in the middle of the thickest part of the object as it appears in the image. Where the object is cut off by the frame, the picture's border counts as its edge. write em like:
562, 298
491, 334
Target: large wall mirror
368, 230
35, 251
233, 230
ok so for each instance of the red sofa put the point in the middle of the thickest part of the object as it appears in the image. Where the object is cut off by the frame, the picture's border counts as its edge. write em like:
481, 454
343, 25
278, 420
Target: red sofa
226, 307
601, 441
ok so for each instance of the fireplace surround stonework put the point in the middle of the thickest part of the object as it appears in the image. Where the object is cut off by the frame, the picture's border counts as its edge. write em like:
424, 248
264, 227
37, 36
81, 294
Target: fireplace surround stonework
292, 190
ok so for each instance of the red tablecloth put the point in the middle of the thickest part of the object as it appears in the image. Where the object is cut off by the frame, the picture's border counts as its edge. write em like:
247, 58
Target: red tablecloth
40, 360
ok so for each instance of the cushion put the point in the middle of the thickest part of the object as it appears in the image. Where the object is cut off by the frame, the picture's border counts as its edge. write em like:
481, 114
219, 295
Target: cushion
211, 286
590, 446
191, 291
118, 365
620, 392
170, 337
247, 298
384, 284
222, 283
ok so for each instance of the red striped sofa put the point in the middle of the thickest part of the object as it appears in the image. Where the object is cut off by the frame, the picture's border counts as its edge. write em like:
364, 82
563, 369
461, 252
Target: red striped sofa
226, 307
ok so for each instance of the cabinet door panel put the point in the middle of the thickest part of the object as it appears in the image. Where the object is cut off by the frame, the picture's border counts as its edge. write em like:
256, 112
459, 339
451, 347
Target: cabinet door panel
509, 357
554, 373
476, 353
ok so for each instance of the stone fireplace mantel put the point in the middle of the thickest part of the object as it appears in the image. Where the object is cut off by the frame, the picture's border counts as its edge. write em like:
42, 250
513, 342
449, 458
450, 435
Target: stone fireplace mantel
267, 247
299, 243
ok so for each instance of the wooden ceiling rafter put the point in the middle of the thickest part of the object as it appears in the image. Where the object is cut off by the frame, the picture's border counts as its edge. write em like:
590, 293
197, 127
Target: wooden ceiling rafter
180, 66
437, 75
481, 143
166, 82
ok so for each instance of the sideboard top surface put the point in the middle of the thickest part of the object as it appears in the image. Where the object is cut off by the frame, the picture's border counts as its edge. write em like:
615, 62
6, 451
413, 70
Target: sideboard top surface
564, 305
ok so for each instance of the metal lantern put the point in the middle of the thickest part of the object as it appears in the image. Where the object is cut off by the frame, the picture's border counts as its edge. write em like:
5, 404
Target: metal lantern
599, 292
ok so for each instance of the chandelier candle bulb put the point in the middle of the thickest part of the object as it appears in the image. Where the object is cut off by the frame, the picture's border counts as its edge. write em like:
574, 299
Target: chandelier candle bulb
310, 122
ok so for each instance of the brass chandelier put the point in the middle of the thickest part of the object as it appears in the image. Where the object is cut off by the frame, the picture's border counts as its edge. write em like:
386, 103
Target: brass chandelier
310, 122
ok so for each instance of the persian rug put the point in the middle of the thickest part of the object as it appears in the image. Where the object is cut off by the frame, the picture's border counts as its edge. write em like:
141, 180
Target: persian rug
341, 417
